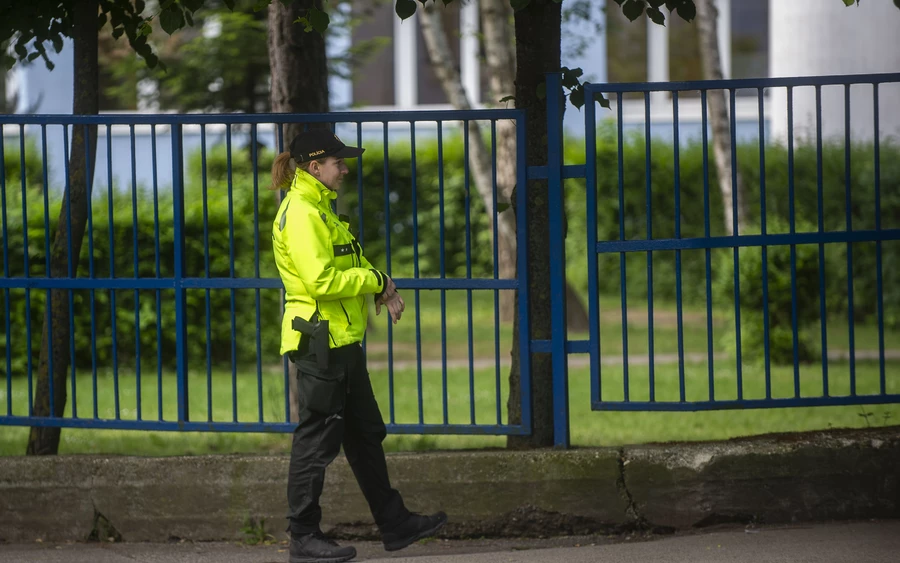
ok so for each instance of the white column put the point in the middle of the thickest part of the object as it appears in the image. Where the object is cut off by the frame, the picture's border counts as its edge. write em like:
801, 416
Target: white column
468, 51
406, 80
657, 58
724, 33
338, 42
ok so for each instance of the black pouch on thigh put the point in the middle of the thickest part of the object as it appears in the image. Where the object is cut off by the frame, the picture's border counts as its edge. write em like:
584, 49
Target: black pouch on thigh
323, 391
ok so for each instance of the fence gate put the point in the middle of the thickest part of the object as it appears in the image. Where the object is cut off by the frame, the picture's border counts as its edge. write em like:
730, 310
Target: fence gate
790, 310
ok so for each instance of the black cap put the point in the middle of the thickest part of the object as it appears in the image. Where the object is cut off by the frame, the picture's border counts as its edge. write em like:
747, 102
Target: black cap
320, 143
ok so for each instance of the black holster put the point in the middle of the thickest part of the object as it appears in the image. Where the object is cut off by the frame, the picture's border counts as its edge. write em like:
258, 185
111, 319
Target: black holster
317, 332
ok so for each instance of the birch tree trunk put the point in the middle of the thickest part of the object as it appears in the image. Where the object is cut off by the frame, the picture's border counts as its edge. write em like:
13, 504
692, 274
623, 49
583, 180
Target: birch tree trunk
299, 84
72, 219
707, 16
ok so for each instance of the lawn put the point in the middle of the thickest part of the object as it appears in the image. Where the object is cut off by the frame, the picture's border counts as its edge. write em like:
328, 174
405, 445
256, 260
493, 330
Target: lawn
247, 394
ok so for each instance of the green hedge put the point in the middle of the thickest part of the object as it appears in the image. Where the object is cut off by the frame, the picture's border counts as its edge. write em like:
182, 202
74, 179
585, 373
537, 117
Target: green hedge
246, 213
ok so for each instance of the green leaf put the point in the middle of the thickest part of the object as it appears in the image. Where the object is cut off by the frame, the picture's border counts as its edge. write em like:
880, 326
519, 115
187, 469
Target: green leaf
507, 99
32, 56
602, 101
101, 20
897, 3
21, 51
57, 41
656, 16
171, 19
188, 18
687, 11
229, 4
633, 9
405, 8
849, 2
145, 29
318, 19
541, 91
501, 207
517, 5
117, 32
192, 5
619, 2
576, 97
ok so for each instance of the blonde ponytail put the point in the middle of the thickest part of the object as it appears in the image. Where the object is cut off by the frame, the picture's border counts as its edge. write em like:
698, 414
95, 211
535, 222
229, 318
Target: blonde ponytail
282, 171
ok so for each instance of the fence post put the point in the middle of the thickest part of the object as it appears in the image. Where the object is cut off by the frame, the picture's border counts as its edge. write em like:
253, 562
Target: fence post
178, 267
555, 195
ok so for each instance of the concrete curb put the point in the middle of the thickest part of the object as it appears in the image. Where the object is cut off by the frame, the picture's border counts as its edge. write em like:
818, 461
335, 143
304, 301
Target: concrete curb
771, 479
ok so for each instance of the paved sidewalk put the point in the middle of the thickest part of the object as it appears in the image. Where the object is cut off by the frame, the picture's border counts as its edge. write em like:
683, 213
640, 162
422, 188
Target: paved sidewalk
857, 542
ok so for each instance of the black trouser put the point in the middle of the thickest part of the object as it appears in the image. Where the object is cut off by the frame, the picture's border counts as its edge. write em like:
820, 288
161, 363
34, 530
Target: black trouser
318, 438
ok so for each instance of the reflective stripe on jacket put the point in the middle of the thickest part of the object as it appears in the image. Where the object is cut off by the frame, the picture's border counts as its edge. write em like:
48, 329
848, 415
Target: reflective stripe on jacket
321, 265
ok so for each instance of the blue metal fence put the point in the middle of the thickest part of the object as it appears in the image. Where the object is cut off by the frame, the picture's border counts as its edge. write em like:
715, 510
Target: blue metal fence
723, 379
153, 356
162, 345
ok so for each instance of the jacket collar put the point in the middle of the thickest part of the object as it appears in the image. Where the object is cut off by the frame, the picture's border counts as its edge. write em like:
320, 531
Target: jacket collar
308, 187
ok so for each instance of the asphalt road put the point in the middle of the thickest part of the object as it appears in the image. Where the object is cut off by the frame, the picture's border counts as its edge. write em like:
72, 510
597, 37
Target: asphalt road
857, 542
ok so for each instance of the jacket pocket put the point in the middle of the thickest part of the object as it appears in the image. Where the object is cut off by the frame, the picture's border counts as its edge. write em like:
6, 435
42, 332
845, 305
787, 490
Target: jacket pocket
322, 391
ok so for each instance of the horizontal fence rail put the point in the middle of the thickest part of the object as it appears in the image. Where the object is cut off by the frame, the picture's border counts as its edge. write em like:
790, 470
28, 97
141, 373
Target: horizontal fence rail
796, 307
174, 302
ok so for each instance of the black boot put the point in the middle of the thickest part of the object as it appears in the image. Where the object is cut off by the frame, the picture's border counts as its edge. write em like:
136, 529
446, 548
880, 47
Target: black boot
413, 529
316, 548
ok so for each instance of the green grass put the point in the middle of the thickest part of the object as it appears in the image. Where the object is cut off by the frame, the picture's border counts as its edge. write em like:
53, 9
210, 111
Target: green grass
236, 395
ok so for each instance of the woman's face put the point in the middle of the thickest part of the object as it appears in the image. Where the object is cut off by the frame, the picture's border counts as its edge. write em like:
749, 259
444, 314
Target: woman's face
331, 172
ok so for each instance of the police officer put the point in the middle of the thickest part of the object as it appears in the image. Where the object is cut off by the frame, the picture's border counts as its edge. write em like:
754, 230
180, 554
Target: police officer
327, 280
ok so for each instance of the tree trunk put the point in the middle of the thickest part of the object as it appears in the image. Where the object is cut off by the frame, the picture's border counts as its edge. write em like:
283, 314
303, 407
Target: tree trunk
500, 59
297, 63
441, 58
299, 72
707, 31
55, 342
540, 22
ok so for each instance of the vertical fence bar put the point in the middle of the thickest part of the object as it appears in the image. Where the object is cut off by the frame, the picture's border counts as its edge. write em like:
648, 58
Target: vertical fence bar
678, 290
207, 295
878, 266
230, 181
793, 230
415, 218
157, 270
443, 271
620, 159
89, 163
254, 157
735, 225
704, 118
179, 274
112, 271
47, 247
649, 206
556, 196
522, 274
387, 257
27, 266
765, 249
137, 272
590, 176
5, 234
467, 186
496, 270
821, 229
849, 226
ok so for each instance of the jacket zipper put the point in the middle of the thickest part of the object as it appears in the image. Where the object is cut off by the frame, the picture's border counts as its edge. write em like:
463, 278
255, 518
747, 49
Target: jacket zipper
346, 314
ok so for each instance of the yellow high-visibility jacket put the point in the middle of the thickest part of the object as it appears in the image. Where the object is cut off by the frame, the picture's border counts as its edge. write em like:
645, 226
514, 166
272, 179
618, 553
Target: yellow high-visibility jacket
321, 265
